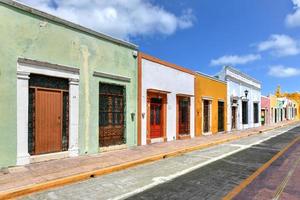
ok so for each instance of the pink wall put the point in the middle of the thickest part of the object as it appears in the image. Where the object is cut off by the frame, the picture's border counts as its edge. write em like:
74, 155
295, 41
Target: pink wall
265, 104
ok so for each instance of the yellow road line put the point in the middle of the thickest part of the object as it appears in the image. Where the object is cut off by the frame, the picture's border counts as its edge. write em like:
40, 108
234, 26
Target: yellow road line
285, 181
260, 170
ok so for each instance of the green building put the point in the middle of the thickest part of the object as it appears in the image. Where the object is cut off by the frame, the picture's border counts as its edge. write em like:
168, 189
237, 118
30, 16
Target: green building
65, 90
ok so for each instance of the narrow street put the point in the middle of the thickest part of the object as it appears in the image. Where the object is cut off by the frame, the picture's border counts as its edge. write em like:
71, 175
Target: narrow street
204, 174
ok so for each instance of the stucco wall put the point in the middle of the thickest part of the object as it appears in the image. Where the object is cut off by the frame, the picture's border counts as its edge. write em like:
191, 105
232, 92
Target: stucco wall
160, 77
25, 35
216, 91
236, 86
265, 104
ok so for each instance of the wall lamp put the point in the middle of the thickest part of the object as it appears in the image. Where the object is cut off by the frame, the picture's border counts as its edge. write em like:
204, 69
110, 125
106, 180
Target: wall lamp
246, 94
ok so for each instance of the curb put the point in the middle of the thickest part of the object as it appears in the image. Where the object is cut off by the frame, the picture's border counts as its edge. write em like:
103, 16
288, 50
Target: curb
13, 193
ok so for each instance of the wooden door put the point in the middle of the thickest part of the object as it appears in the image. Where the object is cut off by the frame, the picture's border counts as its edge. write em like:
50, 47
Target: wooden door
206, 116
183, 106
220, 116
111, 115
233, 117
48, 121
155, 120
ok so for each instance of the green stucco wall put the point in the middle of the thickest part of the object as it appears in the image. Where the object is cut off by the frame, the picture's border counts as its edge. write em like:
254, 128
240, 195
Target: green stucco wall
25, 35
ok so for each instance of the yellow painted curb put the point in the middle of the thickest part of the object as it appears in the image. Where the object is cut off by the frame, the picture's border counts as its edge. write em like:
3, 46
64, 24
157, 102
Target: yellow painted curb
260, 170
13, 193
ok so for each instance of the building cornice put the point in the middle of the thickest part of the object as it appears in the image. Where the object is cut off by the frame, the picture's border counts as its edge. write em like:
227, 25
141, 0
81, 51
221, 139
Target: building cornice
241, 74
238, 81
210, 77
111, 76
43, 64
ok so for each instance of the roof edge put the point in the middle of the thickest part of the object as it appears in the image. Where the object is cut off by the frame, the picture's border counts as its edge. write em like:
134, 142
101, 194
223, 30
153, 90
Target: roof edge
56, 19
242, 74
165, 63
211, 77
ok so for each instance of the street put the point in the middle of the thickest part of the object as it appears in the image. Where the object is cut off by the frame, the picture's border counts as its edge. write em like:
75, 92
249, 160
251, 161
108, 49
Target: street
280, 180
204, 174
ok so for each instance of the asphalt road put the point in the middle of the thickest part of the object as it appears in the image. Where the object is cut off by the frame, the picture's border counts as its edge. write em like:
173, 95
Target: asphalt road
204, 174
281, 180
215, 180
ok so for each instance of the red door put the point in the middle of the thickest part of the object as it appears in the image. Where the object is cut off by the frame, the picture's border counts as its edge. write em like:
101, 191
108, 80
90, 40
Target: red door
155, 120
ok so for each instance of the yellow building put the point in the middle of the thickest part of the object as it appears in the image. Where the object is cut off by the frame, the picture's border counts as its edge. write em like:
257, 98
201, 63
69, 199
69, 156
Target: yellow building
295, 97
274, 109
210, 104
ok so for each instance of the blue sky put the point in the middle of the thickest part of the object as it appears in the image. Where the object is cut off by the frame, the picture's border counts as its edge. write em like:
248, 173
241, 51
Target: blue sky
259, 37
231, 27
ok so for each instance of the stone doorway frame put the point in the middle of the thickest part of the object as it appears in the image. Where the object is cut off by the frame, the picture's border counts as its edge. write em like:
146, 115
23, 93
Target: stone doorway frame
25, 67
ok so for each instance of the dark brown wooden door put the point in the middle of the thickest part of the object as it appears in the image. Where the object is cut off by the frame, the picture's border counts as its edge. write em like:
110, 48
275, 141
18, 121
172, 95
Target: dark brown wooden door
183, 104
48, 123
155, 119
220, 116
111, 115
206, 116
233, 117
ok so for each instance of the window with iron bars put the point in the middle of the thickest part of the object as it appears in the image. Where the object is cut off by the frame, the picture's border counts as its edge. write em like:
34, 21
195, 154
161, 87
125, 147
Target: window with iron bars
111, 114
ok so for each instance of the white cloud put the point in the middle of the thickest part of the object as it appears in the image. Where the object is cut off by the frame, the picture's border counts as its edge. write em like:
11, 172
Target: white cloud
119, 18
280, 45
293, 20
235, 59
283, 71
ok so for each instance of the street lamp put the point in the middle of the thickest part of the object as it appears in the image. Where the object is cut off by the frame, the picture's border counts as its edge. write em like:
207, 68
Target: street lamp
246, 94
235, 99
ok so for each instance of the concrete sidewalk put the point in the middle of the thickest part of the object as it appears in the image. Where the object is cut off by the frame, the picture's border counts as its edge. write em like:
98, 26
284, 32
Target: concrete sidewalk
39, 176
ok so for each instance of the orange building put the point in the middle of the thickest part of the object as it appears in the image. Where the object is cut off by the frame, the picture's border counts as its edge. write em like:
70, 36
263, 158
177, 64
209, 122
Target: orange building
210, 105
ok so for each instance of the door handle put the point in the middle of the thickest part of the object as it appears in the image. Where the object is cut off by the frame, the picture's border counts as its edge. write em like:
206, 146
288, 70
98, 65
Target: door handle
59, 119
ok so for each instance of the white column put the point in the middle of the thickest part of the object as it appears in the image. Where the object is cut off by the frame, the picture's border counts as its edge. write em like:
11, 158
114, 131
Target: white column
192, 117
74, 117
229, 114
22, 118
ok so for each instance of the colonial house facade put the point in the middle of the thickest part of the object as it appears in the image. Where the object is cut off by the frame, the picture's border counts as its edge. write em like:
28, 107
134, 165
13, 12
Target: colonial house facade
287, 109
166, 101
65, 90
243, 99
211, 105
265, 110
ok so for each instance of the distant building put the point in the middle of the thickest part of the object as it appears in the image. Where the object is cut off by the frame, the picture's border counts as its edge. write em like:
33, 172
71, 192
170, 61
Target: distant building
243, 99
265, 110
294, 97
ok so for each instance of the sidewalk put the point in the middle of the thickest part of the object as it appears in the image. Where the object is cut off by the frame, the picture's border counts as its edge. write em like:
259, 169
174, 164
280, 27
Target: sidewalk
18, 181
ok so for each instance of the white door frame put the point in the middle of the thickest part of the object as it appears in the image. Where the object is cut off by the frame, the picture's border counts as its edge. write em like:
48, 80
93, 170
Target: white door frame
24, 68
